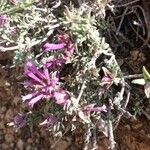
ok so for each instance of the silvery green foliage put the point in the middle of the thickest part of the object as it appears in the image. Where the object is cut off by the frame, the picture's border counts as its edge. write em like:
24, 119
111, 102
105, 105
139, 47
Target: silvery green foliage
83, 25
28, 26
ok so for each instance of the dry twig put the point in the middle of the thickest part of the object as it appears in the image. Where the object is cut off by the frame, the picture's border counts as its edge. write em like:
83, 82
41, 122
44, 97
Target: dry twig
87, 136
126, 4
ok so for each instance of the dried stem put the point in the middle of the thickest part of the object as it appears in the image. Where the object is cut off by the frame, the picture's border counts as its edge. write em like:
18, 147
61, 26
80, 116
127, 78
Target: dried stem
127, 4
146, 22
81, 92
95, 146
59, 138
133, 76
87, 137
122, 110
146, 114
119, 96
110, 131
121, 21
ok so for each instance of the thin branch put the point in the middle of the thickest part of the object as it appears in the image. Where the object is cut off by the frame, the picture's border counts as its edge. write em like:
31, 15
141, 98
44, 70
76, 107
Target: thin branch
133, 76
81, 92
119, 96
122, 110
4, 49
59, 138
87, 136
138, 34
127, 4
146, 114
146, 22
111, 135
121, 21
110, 131
95, 146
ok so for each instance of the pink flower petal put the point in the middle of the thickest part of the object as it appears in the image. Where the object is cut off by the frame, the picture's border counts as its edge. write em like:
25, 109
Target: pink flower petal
61, 97
55, 63
31, 75
28, 96
35, 100
4, 20
95, 109
31, 67
46, 73
50, 46
49, 121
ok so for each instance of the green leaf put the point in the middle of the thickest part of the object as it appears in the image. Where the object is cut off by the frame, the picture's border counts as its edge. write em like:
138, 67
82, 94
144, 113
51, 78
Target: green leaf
146, 74
138, 81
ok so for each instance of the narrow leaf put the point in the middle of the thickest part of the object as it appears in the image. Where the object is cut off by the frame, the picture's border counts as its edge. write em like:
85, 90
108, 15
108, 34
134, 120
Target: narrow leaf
138, 81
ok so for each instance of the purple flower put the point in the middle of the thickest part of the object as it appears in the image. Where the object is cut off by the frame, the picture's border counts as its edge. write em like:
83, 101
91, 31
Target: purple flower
50, 121
19, 121
106, 81
55, 63
51, 47
4, 20
91, 108
109, 78
64, 43
68, 43
61, 97
41, 82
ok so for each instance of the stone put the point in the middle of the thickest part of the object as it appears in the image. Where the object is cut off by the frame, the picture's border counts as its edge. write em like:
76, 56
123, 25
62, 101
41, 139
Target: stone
20, 144
9, 138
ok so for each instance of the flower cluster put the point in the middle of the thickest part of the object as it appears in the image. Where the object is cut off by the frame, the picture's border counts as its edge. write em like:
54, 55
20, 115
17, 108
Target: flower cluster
44, 84
4, 20
55, 63
19, 121
65, 45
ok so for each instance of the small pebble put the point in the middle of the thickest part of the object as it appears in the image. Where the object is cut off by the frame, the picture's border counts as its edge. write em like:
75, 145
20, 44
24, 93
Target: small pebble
5, 146
30, 141
20, 144
28, 147
9, 138
3, 110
